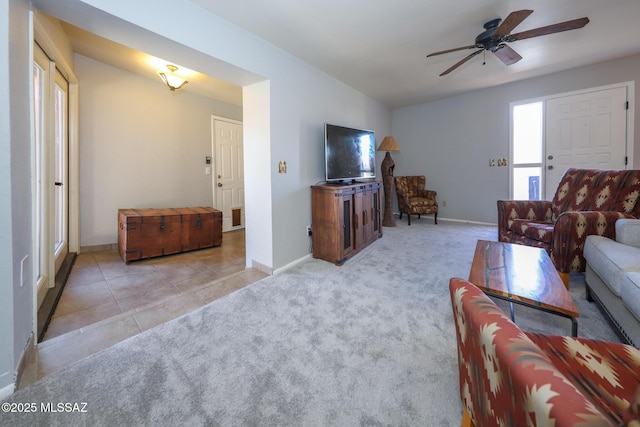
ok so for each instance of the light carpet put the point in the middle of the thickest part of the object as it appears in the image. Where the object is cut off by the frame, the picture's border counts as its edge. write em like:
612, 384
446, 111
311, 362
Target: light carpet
370, 343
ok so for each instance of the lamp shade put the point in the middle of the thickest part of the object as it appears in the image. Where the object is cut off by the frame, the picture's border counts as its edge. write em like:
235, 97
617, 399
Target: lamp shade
389, 144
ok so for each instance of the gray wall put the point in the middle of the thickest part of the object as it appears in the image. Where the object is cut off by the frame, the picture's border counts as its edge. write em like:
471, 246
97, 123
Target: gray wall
450, 141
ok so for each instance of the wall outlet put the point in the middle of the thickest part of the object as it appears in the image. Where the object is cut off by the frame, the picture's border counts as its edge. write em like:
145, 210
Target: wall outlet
308, 230
444, 203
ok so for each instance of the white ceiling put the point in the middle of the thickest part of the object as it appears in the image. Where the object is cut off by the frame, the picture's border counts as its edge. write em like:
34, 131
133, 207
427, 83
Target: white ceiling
379, 47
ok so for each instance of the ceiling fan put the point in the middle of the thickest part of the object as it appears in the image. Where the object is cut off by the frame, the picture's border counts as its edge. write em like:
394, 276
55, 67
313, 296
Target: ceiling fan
497, 35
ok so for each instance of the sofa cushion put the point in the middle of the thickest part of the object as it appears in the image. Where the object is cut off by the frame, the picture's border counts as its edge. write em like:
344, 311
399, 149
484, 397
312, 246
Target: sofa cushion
540, 231
632, 416
628, 231
596, 190
611, 260
630, 292
421, 202
606, 373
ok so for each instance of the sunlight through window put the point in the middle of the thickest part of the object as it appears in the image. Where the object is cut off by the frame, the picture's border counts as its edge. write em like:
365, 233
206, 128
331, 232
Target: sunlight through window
526, 175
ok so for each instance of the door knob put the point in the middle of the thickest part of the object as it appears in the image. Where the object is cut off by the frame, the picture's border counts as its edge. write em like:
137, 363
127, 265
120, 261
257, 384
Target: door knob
550, 167
219, 184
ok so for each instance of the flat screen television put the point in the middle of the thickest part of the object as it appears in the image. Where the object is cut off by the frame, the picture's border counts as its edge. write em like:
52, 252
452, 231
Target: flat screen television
349, 153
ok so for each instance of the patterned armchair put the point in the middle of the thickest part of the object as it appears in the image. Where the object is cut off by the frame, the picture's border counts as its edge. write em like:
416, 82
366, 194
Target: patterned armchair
586, 202
414, 199
516, 378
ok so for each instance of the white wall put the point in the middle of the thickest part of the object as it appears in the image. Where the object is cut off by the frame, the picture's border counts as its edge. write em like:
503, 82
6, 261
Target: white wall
16, 301
6, 236
450, 141
257, 163
141, 146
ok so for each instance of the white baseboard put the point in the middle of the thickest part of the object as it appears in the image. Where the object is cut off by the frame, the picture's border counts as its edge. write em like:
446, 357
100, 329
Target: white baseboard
7, 391
262, 267
270, 271
396, 216
291, 264
466, 221
29, 348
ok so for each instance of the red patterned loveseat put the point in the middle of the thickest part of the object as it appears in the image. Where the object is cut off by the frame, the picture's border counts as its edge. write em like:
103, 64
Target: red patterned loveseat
509, 377
587, 201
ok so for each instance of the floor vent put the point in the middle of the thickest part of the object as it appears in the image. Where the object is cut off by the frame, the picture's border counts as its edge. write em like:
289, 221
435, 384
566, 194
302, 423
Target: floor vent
236, 217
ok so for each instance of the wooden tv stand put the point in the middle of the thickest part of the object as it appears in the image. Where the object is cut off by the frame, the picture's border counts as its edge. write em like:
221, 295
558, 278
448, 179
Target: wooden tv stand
345, 219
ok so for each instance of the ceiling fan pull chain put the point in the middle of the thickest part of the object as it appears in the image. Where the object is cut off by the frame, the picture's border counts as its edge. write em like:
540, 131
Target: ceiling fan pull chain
484, 57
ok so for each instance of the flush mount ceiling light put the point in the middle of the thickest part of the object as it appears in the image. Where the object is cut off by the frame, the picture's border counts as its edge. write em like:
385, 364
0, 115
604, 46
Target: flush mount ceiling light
172, 79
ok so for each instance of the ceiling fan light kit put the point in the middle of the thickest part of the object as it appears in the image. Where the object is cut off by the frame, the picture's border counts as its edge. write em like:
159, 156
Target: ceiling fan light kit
498, 33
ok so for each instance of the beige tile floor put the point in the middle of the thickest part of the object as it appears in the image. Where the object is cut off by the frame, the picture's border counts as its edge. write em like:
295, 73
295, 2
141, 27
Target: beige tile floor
106, 301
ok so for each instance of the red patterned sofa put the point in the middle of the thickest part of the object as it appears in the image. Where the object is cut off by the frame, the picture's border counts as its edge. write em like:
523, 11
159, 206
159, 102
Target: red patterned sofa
509, 377
586, 202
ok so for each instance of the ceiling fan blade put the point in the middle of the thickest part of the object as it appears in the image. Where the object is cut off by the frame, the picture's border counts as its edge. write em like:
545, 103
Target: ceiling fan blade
507, 55
574, 24
513, 20
459, 63
451, 50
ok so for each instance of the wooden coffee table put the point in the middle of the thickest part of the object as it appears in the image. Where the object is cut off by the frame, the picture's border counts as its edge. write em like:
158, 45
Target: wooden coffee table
522, 275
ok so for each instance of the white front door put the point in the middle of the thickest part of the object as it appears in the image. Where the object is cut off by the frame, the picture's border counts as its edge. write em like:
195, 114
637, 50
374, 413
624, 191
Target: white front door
228, 178
587, 130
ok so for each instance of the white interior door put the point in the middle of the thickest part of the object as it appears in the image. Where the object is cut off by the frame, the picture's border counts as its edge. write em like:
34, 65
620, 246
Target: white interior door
60, 169
587, 130
228, 179
51, 171
42, 128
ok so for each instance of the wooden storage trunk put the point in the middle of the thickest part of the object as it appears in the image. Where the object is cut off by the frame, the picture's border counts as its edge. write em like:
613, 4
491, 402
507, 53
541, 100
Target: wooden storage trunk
147, 233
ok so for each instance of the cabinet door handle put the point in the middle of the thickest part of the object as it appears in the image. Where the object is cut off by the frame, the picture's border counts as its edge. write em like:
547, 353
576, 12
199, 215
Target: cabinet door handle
364, 217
